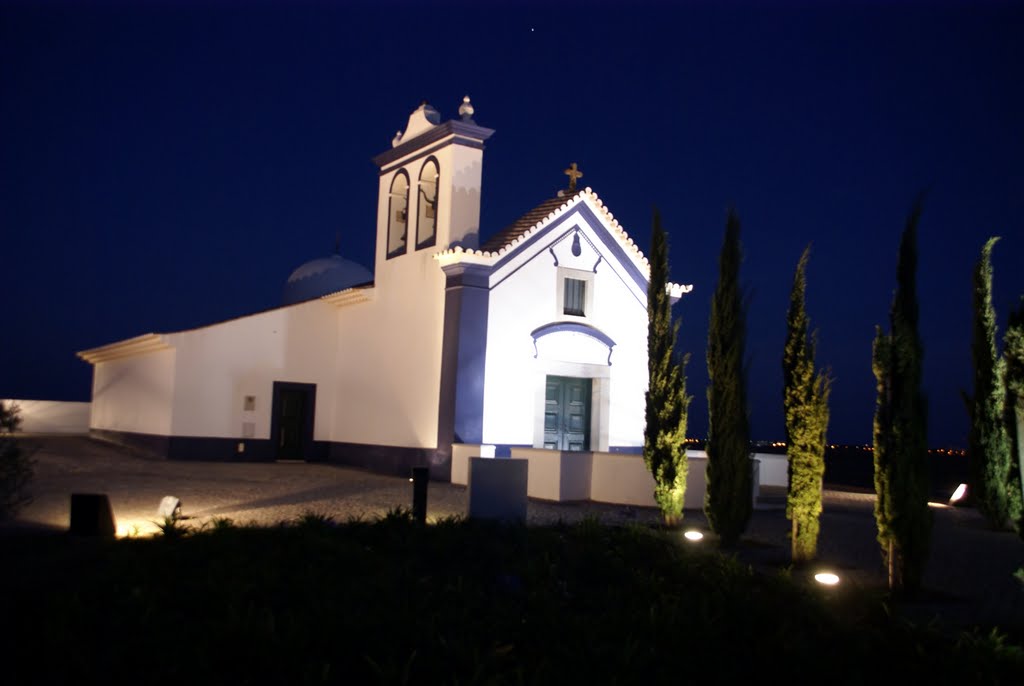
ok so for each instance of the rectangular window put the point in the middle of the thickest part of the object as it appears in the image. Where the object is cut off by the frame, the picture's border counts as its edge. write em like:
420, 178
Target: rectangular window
575, 297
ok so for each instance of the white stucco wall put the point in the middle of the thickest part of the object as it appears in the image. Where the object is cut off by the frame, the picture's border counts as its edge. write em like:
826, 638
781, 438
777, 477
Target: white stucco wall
134, 393
525, 295
459, 197
461, 454
376, 382
217, 366
376, 364
52, 416
387, 381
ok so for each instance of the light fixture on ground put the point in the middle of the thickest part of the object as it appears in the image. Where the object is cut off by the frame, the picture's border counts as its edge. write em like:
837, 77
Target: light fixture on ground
170, 508
693, 535
137, 528
959, 494
826, 578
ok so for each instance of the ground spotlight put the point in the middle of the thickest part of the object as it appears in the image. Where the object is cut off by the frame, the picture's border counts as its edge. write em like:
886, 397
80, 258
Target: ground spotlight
137, 528
959, 494
170, 508
693, 535
826, 578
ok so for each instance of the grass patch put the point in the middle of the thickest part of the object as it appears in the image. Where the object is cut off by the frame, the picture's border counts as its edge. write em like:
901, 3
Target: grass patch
463, 602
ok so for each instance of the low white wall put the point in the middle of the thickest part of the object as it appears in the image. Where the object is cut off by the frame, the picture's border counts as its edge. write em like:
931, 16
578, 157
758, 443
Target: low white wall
621, 479
555, 475
616, 478
696, 479
773, 469
52, 416
625, 480
461, 452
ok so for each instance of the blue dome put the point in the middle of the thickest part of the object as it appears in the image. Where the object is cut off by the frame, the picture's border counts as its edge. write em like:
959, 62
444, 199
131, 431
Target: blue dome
322, 276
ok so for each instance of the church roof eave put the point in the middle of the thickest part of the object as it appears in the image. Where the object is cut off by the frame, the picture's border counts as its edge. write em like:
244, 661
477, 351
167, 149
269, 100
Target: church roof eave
152, 342
146, 343
460, 255
350, 296
677, 290
540, 217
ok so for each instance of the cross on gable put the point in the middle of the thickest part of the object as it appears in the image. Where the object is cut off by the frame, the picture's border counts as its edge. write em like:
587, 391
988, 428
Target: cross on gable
573, 173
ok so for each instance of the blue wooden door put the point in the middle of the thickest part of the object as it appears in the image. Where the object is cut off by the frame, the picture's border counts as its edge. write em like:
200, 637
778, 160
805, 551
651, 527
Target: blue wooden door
567, 413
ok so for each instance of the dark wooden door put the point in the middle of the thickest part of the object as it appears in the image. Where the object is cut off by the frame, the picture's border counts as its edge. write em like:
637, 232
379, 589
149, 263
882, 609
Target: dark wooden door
567, 413
292, 422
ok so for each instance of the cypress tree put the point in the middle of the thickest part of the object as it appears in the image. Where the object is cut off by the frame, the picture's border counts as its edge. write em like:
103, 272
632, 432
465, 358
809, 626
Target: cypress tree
1013, 346
805, 401
666, 400
900, 429
988, 446
729, 496
15, 464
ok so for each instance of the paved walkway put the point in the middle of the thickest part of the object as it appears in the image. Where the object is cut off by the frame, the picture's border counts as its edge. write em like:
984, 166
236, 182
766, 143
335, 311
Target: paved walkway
969, 577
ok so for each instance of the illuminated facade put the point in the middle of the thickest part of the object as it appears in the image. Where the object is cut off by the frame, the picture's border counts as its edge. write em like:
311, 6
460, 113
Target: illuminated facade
535, 338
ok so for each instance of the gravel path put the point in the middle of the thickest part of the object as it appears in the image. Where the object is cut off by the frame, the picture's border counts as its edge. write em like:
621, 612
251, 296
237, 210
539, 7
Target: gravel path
969, 577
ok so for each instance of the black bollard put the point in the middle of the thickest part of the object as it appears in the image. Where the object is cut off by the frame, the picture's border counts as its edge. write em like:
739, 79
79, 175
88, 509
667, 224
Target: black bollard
91, 515
420, 477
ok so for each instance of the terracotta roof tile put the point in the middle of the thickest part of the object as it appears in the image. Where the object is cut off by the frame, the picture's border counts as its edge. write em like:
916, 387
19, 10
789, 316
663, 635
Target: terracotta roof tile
506, 236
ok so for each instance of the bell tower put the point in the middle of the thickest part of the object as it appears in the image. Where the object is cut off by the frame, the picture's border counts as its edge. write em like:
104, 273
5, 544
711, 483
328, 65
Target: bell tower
429, 190
428, 201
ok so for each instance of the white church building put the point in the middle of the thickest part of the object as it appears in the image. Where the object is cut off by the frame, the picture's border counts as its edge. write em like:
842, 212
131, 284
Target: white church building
534, 340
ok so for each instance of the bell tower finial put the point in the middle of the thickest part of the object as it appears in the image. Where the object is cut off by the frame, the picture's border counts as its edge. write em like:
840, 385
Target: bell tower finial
466, 110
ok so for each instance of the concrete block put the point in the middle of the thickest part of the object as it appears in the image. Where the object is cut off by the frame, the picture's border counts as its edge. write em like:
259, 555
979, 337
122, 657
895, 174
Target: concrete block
497, 488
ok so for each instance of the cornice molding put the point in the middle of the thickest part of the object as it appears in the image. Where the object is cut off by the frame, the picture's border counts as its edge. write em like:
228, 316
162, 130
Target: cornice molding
461, 132
146, 343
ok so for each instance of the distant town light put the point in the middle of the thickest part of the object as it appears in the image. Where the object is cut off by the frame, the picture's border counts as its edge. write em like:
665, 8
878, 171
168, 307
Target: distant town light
693, 535
826, 578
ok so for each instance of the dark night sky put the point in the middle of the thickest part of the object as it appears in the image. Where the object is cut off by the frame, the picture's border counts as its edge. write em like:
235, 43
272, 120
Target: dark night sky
167, 166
